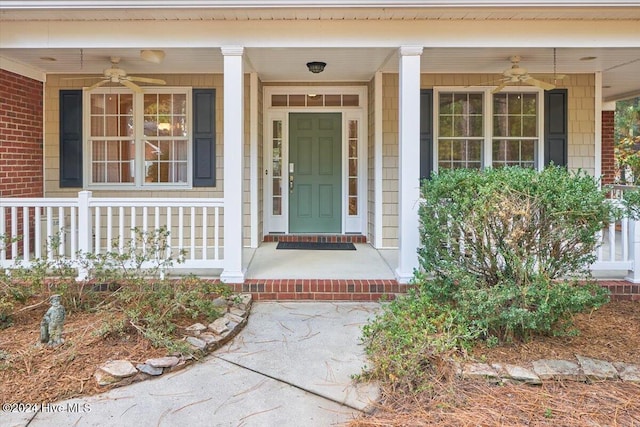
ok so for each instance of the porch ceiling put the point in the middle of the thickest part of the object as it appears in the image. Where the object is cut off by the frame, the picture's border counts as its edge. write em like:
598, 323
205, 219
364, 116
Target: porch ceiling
620, 67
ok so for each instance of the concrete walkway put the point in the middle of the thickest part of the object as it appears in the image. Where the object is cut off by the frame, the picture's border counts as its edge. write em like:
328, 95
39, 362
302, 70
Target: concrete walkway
290, 366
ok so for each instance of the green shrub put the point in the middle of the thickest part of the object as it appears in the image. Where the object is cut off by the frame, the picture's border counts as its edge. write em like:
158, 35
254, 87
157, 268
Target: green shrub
501, 243
412, 338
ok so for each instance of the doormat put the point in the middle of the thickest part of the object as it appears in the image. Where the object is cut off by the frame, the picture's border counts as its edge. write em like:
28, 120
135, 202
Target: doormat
317, 246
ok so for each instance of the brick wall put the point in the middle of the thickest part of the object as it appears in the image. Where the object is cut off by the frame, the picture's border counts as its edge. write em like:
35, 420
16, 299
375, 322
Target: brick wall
608, 163
21, 138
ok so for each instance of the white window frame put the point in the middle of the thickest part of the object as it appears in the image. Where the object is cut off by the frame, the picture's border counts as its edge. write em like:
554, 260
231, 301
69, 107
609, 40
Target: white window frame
487, 108
139, 141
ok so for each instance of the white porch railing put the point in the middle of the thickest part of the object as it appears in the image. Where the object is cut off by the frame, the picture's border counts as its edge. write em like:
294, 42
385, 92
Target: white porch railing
619, 249
33, 228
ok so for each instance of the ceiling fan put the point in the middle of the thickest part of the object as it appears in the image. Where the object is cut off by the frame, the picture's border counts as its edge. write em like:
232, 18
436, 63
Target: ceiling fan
115, 74
518, 74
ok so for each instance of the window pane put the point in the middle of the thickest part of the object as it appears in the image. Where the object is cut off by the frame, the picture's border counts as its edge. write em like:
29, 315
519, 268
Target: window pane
515, 126
111, 104
179, 104
179, 126
529, 103
475, 103
297, 100
446, 126
499, 125
353, 186
446, 100
353, 167
97, 126
332, 100
97, 104
529, 126
164, 103
315, 101
476, 126
279, 100
500, 103
350, 100
528, 151
353, 206
515, 103
111, 126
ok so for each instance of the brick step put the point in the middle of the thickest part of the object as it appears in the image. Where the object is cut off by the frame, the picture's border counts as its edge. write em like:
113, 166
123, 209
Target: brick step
316, 238
320, 289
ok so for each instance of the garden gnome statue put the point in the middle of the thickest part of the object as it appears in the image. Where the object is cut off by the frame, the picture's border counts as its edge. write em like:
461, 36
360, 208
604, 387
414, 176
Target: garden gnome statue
52, 322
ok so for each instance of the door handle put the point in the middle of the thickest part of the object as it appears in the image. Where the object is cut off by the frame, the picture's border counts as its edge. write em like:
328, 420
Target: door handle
291, 183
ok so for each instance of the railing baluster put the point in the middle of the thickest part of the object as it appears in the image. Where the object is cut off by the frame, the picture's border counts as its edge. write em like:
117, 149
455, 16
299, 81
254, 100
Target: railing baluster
168, 231
61, 234
49, 232
97, 230
3, 235
37, 234
14, 232
109, 228
74, 232
133, 226
216, 234
612, 241
25, 233
625, 238
204, 232
193, 233
180, 228
121, 230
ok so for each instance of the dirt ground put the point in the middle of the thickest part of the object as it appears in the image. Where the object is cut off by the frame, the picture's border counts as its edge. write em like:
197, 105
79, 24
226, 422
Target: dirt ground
29, 373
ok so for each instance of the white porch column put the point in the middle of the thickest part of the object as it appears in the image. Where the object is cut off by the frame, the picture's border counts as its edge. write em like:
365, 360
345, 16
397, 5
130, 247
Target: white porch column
409, 162
233, 163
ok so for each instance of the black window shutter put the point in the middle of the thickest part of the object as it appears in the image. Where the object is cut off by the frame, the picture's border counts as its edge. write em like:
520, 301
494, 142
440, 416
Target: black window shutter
204, 138
70, 138
426, 133
556, 133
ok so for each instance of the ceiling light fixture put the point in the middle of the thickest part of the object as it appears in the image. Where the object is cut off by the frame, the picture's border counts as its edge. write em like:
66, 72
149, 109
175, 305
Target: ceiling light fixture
316, 66
151, 55
588, 58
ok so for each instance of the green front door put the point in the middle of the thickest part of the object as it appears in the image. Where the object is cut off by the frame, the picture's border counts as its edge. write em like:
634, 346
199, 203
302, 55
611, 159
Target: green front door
314, 172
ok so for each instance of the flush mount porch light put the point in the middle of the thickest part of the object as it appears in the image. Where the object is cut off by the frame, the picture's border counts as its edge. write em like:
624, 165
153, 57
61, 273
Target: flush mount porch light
316, 66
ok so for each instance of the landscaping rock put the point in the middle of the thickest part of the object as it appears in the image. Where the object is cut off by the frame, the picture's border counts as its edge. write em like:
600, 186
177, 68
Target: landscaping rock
595, 369
219, 326
479, 371
628, 372
238, 312
210, 338
219, 302
195, 329
163, 362
234, 318
118, 368
558, 370
244, 301
197, 343
518, 373
102, 378
148, 369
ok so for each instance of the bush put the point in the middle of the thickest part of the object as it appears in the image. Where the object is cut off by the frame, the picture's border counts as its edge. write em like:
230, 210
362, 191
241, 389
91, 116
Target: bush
412, 337
501, 243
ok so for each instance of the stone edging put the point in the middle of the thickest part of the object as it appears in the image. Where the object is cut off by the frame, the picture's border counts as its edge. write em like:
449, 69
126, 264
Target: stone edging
203, 339
583, 369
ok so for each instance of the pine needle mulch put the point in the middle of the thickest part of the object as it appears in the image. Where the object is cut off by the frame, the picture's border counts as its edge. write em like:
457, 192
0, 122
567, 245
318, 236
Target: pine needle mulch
611, 333
36, 374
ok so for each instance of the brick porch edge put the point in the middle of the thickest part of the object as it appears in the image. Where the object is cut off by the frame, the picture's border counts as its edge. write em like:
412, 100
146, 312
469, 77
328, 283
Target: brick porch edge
369, 290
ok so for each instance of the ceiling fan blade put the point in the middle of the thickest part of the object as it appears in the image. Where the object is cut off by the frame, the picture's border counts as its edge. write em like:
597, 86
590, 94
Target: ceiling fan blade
83, 78
540, 84
499, 88
134, 87
489, 83
146, 80
550, 76
100, 83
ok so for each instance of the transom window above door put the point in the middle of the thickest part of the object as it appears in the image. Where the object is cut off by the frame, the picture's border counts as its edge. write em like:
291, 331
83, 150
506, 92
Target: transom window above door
476, 129
138, 139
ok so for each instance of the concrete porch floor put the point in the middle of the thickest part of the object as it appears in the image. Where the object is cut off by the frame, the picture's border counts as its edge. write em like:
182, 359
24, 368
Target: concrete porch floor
366, 262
